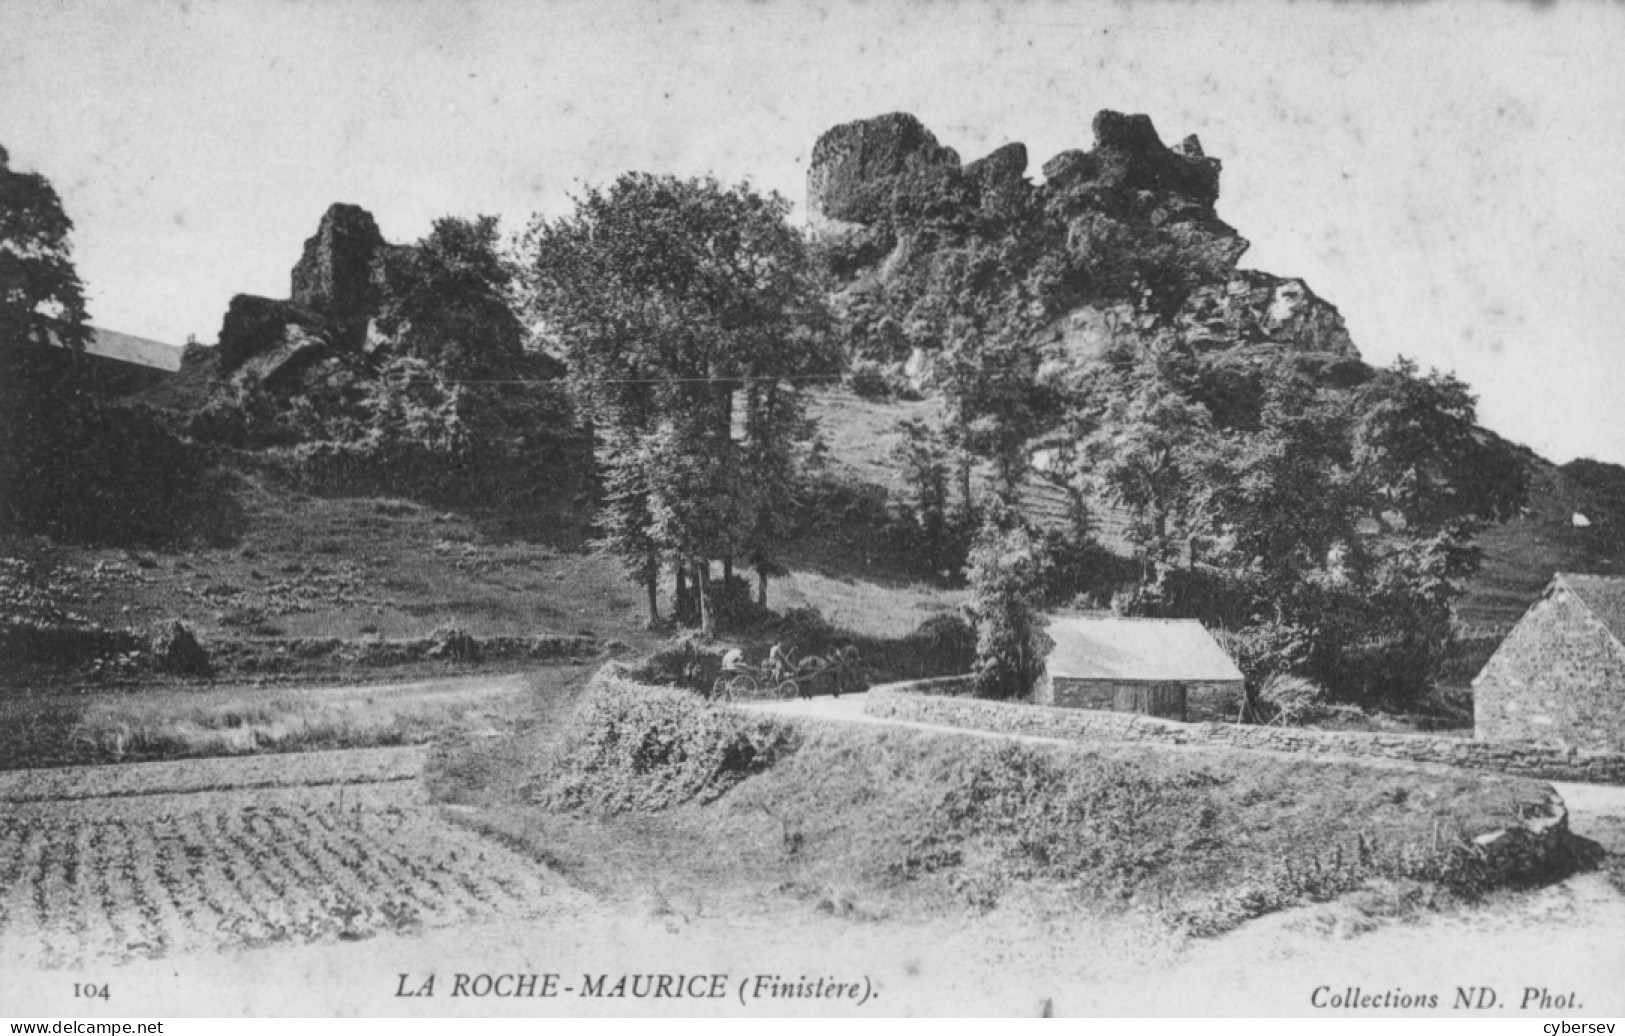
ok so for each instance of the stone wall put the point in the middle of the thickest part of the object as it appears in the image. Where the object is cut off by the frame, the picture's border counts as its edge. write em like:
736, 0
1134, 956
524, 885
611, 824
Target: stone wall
1204, 702
1558, 678
898, 701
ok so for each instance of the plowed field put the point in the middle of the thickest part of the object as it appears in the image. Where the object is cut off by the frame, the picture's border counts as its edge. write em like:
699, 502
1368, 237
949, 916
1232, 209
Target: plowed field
114, 876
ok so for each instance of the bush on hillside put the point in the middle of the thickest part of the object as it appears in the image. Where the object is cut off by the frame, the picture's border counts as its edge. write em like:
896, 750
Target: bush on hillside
867, 381
1290, 700
632, 747
947, 642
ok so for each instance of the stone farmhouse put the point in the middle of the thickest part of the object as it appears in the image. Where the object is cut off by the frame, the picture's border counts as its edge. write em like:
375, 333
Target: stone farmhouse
1559, 677
1172, 668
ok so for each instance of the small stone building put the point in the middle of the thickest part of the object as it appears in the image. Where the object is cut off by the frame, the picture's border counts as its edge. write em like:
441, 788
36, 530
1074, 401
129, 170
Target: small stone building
1165, 667
1559, 677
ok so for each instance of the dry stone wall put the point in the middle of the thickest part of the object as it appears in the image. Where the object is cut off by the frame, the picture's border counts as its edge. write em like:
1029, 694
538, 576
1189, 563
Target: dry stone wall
901, 702
1204, 701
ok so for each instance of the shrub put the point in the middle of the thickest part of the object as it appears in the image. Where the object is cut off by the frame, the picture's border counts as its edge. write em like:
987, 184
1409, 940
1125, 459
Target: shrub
1007, 567
867, 381
176, 650
685, 662
947, 642
807, 631
632, 747
1290, 700
735, 605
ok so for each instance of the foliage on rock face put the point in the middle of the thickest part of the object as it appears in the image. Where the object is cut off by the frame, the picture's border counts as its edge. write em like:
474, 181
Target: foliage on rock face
688, 314
632, 747
447, 302
1273, 484
442, 390
1006, 571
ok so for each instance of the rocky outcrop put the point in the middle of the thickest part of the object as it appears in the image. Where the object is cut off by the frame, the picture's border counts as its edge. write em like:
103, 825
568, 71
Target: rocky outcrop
1128, 154
281, 365
999, 168
1255, 308
254, 326
858, 167
334, 276
335, 288
1000, 177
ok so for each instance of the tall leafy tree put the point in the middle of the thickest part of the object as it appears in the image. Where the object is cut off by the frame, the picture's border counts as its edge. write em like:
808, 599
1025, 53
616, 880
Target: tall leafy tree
41, 298
1429, 465
687, 312
1006, 572
923, 464
448, 300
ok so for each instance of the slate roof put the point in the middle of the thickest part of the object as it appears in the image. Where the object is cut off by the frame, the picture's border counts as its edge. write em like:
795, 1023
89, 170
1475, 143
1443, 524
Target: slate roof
1604, 595
1109, 647
116, 345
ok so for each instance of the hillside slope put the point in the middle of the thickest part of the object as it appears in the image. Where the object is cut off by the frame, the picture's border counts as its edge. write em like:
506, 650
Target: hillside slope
1520, 555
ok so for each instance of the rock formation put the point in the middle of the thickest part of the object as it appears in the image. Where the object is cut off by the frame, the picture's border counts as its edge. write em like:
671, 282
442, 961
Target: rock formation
1000, 176
334, 275
254, 326
1001, 167
176, 650
1129, 154
858, 167
1255, 308
334, 289
868, 203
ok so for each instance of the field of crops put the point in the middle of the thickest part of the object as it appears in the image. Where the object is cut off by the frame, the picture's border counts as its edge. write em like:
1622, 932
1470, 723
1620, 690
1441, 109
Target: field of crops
145, 875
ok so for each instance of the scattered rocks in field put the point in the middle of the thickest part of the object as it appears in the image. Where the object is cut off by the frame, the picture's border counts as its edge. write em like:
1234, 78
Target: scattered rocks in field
453, 642
176, 650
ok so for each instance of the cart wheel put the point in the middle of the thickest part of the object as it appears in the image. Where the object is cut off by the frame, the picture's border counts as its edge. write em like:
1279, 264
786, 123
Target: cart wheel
788, 689
741, 687
720, 691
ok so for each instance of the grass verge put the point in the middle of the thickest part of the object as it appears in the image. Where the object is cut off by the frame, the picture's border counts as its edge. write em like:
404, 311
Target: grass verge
651, 794
146, 725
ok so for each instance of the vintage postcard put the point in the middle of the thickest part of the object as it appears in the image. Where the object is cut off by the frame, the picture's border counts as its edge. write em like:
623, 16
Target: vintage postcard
856, 510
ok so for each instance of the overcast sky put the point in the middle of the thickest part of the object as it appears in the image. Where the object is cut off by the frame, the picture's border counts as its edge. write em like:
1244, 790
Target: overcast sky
1449, 175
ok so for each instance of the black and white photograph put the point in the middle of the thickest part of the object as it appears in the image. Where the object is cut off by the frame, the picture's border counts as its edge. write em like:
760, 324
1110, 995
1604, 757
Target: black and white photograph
757, 509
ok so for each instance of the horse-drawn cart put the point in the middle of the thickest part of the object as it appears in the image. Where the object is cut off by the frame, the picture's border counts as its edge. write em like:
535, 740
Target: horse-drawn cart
781, 675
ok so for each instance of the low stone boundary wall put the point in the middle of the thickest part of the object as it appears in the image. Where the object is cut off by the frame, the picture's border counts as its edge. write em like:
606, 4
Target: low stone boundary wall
901, 701
949, 686
379, 651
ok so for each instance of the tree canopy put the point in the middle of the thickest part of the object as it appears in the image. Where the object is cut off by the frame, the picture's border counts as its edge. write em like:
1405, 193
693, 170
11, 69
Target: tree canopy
41, 298
689, 317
